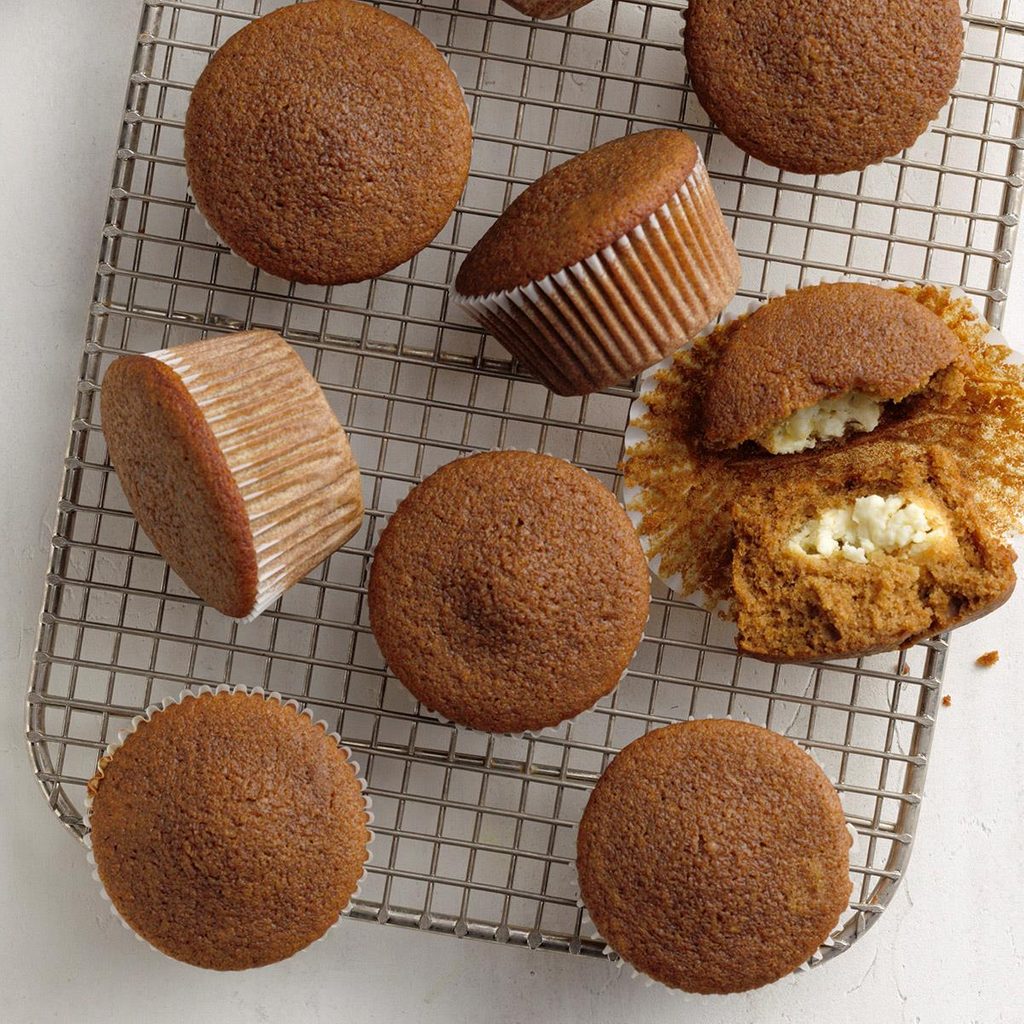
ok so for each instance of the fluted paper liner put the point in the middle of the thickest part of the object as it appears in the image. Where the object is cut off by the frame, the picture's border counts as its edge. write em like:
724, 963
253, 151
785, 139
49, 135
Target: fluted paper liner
287, 452
156, 709
601, 321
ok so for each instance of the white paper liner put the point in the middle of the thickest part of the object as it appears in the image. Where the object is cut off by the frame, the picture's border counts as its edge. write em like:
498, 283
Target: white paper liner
618, 959
294, 528
635, 434
600, 321
548, 730
256, 691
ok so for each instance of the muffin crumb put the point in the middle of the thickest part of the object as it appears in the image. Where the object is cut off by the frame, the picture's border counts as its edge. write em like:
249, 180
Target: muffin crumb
947, 701
987, 660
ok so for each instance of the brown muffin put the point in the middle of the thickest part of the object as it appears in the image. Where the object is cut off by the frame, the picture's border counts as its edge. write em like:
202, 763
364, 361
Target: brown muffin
862, 599
605, 264
327, 142
823, 86
233, 463
228, 830
685, 488
509, 591
818, 343
546, 9
713, 856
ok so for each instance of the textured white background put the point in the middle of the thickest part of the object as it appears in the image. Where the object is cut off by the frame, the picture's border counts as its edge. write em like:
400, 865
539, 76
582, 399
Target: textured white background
949, 949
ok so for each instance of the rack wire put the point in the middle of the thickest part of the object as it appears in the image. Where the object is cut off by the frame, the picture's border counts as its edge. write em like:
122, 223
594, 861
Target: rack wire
475, 834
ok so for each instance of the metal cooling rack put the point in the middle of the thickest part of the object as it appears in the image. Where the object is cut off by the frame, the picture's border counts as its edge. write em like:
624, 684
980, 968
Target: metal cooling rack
475, 834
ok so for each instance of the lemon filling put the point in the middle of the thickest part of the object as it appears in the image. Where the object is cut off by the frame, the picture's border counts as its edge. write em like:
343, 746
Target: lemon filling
872, 524
830, 418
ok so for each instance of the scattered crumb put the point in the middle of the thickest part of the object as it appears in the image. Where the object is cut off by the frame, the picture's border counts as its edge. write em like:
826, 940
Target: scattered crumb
905, 670
987, 660
947, 701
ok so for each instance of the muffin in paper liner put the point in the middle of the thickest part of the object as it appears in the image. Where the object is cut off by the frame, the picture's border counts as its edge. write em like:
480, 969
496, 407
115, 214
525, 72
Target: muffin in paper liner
376, 600
589, 929
641, 293
873, 78
324, 74
233, 463
967, 322
195, 836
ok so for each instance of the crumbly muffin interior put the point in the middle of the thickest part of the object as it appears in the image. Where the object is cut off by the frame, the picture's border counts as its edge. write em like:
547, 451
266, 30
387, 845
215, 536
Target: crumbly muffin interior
973, 409
881, 546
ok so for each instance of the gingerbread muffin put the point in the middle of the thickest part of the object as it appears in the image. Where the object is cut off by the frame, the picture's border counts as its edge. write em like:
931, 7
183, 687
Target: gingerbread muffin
882, 546
545, 10
726, 423
233, 463
605, 264
713, 856
787, 375
509, 592
228, 830
823, 86
327, 142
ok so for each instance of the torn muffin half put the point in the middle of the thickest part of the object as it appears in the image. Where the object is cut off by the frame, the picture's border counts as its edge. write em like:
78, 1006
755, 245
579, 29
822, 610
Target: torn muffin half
882, 546
764, 403
818, 364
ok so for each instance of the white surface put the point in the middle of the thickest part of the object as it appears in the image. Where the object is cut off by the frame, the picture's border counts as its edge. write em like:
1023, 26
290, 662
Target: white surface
949, 949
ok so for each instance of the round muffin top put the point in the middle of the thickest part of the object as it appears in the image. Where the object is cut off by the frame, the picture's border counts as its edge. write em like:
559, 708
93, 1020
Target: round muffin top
327, 142
178, 482
823, 86
713, 856
577, 209
815, 343
509, 591
229, 831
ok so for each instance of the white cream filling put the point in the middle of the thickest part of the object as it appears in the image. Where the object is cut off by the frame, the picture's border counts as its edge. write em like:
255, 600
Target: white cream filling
893, 525
829, 418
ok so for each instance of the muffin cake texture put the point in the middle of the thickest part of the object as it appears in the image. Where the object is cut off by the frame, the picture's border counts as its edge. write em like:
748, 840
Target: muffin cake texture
327, 142
819, 351
228, 830
823, 86
233, 463
725, 425
509, 592
713, 856
882, 546
606, 264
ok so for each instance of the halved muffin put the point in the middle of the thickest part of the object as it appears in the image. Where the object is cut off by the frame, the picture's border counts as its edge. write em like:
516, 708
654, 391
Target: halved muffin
758, 409
879, 547
819, 363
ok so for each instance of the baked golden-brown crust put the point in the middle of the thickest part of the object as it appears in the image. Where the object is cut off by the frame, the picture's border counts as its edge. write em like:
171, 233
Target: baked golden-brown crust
509, 591
714, 856
327, 142
229, 831
577, 209
178, 482
546, 9
823, 86
974, 409
816, 343
790, 607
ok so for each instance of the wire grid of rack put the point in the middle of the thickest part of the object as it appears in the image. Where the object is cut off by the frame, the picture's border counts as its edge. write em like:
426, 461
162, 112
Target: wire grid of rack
475, 834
